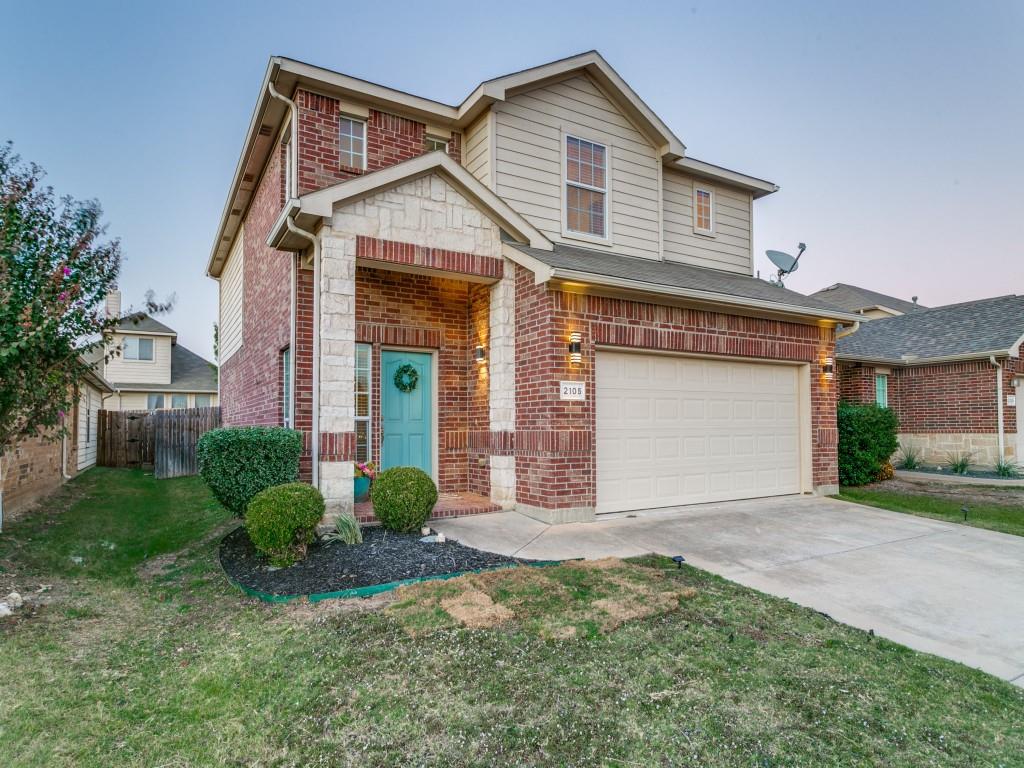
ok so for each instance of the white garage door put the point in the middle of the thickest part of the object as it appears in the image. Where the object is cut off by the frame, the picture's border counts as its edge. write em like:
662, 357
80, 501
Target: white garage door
678, 430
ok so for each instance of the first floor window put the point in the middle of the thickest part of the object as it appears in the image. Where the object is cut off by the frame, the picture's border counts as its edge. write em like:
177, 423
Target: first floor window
352, 143
286, 387
136, 348
179, 401
882, 390
202, 401
586, 187
155, 402
703, 210
363, 352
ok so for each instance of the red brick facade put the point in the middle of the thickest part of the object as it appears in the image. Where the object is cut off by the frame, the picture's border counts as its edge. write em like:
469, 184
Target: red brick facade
945, 398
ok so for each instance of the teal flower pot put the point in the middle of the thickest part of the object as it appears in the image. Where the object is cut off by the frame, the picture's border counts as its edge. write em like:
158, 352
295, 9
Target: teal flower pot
362, 488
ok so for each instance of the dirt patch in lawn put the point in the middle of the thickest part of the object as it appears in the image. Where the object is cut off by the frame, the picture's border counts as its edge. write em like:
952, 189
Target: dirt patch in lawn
963, 493
575, 599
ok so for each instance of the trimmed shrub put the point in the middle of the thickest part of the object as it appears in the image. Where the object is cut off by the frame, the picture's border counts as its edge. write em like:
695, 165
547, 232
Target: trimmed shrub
403, 498
867, 438
281, 521
239, 462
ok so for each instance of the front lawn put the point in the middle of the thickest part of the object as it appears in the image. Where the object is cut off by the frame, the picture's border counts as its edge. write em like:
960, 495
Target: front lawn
996, 508
141, 654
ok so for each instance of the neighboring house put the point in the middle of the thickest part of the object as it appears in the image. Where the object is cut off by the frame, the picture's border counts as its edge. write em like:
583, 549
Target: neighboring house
952, 374
35, 467
537, 296
150, 370
871, 304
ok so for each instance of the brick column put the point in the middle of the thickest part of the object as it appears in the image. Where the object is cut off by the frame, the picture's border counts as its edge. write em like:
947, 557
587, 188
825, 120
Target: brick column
337, 371
503, 388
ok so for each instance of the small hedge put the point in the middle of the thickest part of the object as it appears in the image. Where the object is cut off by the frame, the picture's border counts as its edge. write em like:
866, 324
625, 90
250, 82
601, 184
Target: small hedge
403, 498
281, 521
239, 462
867, 440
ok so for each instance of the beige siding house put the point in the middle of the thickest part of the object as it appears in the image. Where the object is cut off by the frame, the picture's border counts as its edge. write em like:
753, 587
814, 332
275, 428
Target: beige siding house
149, 370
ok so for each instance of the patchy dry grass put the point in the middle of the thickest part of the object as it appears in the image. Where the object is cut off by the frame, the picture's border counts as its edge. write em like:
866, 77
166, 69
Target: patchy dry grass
108, 668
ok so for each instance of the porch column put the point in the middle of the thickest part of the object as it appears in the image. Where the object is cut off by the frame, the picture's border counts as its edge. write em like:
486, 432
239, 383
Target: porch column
503, 388
337, 286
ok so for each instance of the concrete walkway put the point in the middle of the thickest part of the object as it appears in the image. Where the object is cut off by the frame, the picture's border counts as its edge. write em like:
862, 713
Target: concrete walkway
943, 588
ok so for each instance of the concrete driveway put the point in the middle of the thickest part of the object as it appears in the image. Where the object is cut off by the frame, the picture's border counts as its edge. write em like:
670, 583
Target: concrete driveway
946, 589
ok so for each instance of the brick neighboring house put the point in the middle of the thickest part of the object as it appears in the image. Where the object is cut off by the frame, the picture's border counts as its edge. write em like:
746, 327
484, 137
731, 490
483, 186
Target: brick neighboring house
952, 374
35, 467
872, 304
537, 296
149, 369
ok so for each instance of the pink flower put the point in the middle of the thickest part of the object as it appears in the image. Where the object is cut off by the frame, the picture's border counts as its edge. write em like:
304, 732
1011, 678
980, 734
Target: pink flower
67, 271
61, 414
63, 296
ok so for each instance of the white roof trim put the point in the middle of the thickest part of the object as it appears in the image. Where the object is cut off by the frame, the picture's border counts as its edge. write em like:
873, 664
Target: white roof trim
759, 187
911, 360
322, 202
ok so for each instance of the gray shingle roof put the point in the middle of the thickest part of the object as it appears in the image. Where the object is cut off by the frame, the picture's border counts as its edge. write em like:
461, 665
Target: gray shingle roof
674, 275
189, 373
853, 298
975, 327
142, 323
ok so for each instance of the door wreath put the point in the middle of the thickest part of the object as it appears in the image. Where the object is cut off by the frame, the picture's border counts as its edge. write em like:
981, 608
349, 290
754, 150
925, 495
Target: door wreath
406, 378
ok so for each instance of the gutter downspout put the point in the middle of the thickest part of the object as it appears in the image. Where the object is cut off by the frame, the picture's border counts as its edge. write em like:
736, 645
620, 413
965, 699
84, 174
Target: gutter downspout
999, 406
844, 332
293, 145
315, 437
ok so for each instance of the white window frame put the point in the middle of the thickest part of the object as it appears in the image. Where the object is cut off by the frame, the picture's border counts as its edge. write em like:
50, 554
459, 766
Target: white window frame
137, 359
354, 121
710, 231
885, 377
438, 139
162, 397
286, 394
368, 418
572, 234
178, 394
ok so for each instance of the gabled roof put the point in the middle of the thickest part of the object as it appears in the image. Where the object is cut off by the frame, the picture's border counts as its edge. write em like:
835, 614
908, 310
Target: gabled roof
305, 210
974, 329
568, 264
142, 323
853, 298
189, 373
287, 75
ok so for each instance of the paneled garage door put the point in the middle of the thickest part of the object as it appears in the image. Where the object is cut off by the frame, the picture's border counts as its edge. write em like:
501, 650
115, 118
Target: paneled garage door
679, 430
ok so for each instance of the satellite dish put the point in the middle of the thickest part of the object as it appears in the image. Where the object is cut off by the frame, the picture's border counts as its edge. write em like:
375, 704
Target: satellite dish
787, 264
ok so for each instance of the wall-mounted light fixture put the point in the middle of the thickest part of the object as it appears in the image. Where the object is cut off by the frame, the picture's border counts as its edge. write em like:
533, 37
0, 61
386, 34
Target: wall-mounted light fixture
479, 354
828, 368
575, 348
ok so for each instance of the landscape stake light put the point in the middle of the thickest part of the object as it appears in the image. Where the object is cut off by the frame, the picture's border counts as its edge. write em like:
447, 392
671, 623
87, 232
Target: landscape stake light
678, 560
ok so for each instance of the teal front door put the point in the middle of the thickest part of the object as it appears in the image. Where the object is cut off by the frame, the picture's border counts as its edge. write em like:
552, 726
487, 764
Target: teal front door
407, 410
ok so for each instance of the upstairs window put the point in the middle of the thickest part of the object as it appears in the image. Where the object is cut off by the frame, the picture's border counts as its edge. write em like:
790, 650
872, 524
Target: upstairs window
882, 390
586, 187
352, 143
137, 348
703, 210
433, 144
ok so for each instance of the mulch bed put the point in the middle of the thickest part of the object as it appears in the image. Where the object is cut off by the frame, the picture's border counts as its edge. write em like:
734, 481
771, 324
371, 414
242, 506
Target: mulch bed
382, 558
980, 473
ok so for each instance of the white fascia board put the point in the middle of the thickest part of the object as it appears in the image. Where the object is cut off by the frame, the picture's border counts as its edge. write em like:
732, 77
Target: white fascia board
759, 187
709, 297
909, 362
542, 273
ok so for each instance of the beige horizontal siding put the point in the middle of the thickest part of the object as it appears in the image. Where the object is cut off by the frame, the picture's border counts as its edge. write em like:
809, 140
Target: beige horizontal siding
155, 371
476, 154
232, 299
139, 401
528, 162
89, 404
729, 248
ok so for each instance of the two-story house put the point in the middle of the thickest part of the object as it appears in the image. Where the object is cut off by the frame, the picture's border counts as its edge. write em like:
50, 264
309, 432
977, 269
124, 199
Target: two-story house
149, 370
537, 296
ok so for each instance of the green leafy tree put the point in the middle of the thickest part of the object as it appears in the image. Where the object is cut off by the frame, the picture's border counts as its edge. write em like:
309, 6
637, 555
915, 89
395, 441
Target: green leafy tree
56, 268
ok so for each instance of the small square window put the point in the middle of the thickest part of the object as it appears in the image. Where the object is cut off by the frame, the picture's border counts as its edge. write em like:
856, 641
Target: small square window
136, 348
179, 401
352, 143
155, 402
703, 210
433, 144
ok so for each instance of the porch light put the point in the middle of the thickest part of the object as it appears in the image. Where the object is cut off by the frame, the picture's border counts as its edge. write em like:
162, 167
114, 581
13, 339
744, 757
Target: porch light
828, 368
575, 348
479, 354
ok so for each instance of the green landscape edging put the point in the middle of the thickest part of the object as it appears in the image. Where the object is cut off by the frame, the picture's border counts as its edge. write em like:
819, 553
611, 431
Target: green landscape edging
375, 589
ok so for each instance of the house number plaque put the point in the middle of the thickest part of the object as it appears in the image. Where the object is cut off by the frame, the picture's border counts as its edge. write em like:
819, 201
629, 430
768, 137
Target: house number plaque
573, 390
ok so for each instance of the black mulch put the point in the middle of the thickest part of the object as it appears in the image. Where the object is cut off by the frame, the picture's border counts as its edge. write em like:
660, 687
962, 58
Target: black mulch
383, 557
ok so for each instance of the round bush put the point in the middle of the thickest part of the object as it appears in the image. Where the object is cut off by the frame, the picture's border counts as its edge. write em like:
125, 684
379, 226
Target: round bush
281, 521
239, 462
867, 440
403, 498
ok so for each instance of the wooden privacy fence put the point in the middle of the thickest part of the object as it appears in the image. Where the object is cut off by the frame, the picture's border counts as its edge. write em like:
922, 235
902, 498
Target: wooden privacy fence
165, 440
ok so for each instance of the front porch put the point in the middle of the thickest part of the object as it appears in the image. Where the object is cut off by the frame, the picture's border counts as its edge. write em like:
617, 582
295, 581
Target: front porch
459, 504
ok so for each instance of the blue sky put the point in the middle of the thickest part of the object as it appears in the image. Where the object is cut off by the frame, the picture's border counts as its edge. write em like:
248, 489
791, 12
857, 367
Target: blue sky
896, 130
